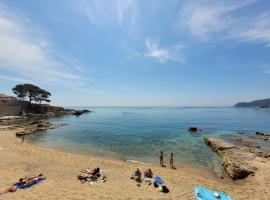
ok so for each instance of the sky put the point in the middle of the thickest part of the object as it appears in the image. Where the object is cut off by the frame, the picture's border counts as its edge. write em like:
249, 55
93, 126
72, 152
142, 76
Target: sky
136, 52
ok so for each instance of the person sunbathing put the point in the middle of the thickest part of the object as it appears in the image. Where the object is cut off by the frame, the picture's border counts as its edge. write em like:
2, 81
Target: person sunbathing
148, 173
88, 174
28, 181
91, 172
137, 176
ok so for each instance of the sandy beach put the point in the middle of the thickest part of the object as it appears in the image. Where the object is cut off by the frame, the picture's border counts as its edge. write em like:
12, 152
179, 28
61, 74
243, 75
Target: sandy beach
61, 170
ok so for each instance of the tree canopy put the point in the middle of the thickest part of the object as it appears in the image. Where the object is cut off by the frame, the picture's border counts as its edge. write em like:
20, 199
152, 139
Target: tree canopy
32, 92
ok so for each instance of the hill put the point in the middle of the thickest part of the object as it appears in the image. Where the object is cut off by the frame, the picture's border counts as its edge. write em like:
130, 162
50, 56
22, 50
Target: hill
263, 103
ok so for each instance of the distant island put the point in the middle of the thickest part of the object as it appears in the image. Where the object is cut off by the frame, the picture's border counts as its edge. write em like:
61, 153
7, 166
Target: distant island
263, 103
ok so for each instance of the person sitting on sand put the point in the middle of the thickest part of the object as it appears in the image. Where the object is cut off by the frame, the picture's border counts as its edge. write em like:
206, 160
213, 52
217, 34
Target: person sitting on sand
137, 176
171, 161
148, 173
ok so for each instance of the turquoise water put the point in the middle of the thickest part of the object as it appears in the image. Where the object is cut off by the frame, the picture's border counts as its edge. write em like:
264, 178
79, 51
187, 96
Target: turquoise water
140, 133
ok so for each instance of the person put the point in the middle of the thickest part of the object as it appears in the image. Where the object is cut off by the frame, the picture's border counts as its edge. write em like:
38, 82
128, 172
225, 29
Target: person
148, 173
171, 161
28, 181
137, 176
161, 159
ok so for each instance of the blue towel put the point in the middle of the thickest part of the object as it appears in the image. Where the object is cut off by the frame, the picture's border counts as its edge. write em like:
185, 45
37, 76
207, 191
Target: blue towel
23, 186
158, 180
206, 194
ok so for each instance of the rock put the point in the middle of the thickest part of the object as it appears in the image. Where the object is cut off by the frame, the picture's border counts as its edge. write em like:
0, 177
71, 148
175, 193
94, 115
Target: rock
193, 129
217, 144
79, 112
243, 142
264, 134
235, 161
259, 152
35, 127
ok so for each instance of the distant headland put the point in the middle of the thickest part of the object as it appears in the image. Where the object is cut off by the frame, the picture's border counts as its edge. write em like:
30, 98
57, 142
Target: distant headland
262, 103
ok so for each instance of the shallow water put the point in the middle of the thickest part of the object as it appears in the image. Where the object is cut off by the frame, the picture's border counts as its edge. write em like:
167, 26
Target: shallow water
140, 133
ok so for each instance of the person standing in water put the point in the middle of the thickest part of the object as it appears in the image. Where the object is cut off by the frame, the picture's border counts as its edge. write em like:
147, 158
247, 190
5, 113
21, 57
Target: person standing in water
171, 161
161, 159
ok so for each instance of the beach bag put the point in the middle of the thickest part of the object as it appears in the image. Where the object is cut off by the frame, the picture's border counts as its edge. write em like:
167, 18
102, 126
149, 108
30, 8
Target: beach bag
163, 188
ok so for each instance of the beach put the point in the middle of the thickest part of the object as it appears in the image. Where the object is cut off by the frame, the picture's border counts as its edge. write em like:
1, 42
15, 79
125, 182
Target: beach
61, 170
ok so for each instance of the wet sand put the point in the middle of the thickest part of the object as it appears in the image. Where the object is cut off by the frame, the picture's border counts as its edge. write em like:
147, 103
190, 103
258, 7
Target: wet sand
61, 169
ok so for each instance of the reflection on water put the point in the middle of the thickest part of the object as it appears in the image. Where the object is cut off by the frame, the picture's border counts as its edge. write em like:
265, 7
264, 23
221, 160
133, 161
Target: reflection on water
140, 133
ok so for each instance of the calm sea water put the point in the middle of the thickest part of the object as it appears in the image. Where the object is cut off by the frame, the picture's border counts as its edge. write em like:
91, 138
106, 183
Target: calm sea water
140, 133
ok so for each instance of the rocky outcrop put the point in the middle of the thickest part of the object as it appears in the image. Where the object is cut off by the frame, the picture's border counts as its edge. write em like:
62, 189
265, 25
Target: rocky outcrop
236, 161
34, 127
80, 112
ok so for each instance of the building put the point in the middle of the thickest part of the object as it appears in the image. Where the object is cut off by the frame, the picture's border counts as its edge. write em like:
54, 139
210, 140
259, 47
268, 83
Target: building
9, 105
5, 98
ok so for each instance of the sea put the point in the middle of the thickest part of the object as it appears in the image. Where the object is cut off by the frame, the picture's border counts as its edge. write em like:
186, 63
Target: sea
138, 134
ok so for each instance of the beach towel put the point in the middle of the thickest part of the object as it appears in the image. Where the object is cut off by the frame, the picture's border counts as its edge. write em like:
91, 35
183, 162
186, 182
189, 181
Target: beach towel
24, 186
206, 194
158, 180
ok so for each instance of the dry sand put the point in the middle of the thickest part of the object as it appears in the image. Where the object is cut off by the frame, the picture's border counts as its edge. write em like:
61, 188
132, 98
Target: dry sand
61, 169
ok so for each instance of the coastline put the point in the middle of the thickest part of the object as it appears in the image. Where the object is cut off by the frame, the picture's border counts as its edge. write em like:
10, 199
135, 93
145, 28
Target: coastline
61, 169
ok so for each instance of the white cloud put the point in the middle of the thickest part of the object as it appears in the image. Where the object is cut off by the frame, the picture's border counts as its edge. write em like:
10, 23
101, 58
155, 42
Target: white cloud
221, 19
163, 54
24, 52
100, 12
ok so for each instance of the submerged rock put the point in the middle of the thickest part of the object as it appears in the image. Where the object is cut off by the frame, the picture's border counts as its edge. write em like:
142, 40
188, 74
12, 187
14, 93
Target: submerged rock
243, 142
35, 127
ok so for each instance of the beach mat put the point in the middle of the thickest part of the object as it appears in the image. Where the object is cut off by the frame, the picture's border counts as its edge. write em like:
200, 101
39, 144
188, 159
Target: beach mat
19, 186
206, 194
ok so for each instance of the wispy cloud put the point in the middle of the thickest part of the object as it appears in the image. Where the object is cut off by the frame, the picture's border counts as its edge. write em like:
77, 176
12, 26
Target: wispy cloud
163, 54
24, 52
208, 19
118, 12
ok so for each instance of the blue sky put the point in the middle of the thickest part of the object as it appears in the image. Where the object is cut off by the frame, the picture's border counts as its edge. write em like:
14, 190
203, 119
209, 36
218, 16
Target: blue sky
138, 53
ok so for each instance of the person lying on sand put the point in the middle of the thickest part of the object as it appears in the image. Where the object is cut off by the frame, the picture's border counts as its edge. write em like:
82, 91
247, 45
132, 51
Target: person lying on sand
28, 181
90, 175
22, 183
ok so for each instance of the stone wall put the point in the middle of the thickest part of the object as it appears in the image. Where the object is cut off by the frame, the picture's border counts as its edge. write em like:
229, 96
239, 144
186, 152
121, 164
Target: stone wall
10, 108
